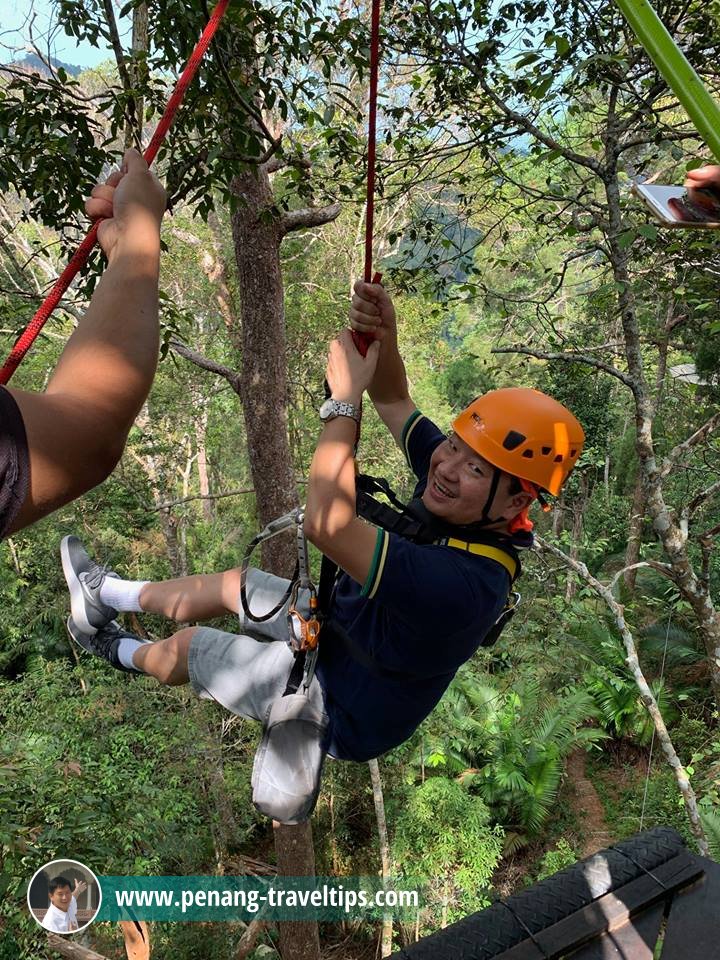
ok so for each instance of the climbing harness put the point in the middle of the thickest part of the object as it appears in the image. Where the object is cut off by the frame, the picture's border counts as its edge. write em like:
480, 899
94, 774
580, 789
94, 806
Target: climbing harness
273, 528
303, 628
288, 763
414, 522
79, 259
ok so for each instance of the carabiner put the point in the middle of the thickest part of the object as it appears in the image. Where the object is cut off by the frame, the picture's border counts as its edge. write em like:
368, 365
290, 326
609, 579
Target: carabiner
307, 634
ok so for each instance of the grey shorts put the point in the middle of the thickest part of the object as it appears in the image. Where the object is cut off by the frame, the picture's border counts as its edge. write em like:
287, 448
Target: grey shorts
247, 672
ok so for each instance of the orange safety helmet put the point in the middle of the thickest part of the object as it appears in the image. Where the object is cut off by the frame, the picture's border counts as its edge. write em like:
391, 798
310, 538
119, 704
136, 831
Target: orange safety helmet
523, 432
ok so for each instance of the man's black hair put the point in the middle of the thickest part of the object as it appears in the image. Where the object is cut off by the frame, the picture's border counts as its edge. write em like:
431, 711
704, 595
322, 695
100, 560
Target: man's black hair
514, 486
56, 883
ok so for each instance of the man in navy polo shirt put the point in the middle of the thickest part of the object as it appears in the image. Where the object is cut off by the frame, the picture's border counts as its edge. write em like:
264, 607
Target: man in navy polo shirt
415, 611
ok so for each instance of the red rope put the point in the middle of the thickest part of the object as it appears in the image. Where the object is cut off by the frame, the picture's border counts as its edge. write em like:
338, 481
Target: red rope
363, 340
82, 253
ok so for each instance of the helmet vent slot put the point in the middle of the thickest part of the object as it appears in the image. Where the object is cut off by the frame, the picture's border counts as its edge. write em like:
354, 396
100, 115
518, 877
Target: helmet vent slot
558, 458
513, 440
573, 452
546, 451
528, 454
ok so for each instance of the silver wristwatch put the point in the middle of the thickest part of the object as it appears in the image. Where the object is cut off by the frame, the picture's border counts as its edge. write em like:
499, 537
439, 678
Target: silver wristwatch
339, 408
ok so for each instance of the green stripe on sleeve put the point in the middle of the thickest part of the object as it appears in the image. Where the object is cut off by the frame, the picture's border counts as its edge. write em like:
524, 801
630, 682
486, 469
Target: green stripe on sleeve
376, 565
407, 429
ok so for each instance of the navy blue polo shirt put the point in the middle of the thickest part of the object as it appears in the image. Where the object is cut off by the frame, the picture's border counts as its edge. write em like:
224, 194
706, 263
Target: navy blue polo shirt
423, 608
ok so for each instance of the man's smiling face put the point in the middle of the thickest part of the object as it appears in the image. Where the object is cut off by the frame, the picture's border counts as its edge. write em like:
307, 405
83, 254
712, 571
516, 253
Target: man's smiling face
459, 484
61, 898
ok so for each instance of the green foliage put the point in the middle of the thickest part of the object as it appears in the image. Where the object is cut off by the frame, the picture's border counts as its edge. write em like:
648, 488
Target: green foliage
633, 803
623, 712
510, 745
607, 678
464, 379
711, 824
112, 773
563, 855
444, 836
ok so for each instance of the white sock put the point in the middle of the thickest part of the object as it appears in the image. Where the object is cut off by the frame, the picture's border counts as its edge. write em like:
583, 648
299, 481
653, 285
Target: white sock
125, 651
122, 594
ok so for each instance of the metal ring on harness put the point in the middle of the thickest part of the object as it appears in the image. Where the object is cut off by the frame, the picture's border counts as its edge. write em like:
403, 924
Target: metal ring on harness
271, 530
307, 634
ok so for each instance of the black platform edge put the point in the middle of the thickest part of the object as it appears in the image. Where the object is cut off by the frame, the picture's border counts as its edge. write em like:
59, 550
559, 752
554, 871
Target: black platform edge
484, 935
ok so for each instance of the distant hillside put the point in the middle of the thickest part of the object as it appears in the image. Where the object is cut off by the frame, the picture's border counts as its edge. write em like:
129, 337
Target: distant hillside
33, 64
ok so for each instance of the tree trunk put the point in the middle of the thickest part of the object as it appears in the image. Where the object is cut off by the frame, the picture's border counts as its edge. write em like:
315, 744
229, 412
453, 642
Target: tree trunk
137, 939
208, 507
257, 235
578, 513
670, 533
299, 940
387, 927
637, 515
138, 71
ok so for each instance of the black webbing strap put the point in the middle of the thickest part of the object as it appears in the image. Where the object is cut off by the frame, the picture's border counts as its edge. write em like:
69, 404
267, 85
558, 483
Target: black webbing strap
364, 483
506, 615
296, 674
326, 584
245, 565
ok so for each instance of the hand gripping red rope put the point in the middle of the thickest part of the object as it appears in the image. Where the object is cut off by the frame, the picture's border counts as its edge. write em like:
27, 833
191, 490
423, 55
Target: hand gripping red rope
82, 253
363, 340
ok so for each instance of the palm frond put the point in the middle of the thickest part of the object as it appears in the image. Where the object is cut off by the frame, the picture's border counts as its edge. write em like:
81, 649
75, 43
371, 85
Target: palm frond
711, 822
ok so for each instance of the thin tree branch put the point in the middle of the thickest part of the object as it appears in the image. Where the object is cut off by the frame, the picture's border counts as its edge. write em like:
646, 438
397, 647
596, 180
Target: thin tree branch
232, 376
279, 163
664, 568
646, 694
570, 155
698, 501
572, 358
117, 46
309, 217
250, 938
709, 534
682, 448
667, 136
250, 109
131, 117
199, 496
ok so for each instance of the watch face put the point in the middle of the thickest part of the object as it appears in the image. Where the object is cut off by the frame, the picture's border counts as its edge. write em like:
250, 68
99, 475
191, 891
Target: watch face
327, 409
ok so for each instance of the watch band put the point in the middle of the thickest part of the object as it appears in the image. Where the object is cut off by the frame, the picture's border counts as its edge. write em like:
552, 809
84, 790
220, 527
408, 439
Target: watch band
332, 408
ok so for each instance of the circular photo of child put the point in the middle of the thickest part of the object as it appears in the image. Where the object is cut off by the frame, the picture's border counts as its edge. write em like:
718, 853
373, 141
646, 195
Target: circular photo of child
64, 896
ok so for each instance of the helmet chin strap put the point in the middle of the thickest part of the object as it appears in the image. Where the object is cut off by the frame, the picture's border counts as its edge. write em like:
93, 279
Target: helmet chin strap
486, 519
